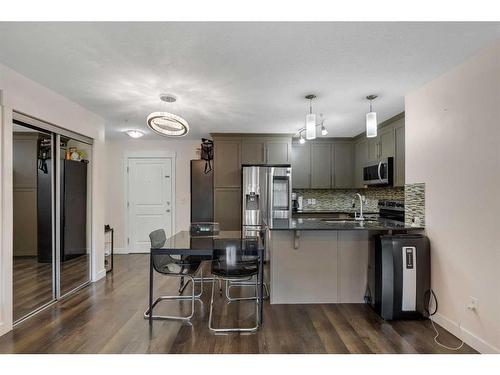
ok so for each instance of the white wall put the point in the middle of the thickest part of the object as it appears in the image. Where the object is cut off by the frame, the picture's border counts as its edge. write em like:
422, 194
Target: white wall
453, 145
24, 95
185, 151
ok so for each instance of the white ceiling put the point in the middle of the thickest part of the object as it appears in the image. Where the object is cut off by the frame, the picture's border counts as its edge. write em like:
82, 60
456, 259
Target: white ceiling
239, 77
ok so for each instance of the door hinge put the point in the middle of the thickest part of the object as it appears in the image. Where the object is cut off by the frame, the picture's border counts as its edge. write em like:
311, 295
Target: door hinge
128, 241
128, 204
127, 169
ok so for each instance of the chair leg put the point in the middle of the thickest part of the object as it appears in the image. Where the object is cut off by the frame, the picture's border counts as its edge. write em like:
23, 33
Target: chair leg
192, 297
201, 279
232, 283
228, 330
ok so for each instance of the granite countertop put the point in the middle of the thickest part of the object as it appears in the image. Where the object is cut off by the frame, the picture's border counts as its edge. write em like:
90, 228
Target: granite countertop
319, 224
320, 211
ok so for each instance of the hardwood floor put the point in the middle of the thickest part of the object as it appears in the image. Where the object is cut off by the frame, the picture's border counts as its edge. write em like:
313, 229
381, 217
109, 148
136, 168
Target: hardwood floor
33, 281
32, 285
106, 317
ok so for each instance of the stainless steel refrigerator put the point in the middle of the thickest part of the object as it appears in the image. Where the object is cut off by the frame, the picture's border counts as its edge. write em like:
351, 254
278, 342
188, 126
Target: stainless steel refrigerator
266, 196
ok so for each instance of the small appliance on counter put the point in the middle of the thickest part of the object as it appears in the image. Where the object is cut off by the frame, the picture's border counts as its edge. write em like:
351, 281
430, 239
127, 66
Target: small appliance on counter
394, 210
295, 202
400, 276
379, 172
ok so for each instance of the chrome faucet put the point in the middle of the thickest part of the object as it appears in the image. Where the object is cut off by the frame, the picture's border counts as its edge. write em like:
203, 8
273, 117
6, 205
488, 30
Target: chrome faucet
362, 200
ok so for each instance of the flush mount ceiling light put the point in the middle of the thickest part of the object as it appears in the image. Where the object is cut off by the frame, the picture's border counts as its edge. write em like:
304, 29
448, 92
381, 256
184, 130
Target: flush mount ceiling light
371, 119
166, 123
134, 133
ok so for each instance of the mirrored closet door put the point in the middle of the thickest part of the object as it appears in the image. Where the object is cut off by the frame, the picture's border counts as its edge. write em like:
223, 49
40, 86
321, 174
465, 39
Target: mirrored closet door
75, 213
33, 246
52, 214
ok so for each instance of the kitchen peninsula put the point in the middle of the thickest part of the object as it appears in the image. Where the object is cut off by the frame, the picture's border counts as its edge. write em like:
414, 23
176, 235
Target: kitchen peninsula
316, 260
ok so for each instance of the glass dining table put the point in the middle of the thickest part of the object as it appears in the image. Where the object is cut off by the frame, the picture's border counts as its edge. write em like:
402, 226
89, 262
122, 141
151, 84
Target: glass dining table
204, 245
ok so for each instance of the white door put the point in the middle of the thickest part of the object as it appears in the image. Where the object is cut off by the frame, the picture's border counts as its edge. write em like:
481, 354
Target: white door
149, 200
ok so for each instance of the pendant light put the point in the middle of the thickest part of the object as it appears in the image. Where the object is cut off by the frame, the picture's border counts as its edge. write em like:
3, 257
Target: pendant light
166, 123
302, 140
310, 120
371, 119
324, 131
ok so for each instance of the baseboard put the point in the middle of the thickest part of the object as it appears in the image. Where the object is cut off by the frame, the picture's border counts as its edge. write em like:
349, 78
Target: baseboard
4, 328
468, 337
120, 250
100, 275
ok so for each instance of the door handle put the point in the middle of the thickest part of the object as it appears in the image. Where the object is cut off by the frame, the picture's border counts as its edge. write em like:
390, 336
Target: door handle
379, 167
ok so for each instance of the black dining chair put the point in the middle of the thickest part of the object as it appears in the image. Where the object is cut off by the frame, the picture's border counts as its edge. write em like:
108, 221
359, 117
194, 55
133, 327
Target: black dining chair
175, 266
235, 260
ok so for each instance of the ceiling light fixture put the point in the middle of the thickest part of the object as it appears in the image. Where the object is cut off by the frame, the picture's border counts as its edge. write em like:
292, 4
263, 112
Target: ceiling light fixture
324, 131
134, 133
310, 130
310, 120
166, 123
302, 140
371, 119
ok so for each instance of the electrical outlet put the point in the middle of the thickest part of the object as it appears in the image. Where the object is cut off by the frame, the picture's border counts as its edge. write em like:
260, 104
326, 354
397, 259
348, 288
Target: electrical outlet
473, 303
314, 201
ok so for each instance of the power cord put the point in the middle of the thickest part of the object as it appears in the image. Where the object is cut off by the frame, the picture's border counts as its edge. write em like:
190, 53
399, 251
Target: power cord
432, 295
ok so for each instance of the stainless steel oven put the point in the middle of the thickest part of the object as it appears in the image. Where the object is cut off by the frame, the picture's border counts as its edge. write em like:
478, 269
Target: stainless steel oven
379, 172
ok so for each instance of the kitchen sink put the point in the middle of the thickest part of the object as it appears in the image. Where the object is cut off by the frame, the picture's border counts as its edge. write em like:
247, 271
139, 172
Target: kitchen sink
345, 221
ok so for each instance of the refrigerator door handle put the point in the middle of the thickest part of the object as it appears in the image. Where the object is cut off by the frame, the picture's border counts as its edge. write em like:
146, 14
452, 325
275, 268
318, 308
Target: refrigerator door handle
270, 196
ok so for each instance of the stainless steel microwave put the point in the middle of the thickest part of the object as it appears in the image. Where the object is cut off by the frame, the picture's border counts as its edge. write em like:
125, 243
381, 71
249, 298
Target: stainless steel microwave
379, 172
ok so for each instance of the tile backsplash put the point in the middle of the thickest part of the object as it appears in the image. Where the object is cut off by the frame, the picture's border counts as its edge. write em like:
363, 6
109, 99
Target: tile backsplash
341, 199
415, 204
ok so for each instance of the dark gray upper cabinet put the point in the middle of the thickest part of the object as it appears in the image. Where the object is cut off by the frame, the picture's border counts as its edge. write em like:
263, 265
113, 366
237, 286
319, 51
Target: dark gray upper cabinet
253, 151
372, 148
343, 165
279, 151
386, 142
360, 160
266, 151
301, 166
399, 156
321, 166
227, 171
382, 146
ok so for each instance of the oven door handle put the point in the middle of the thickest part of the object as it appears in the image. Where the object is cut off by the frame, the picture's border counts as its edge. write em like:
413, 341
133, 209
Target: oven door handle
379, 168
